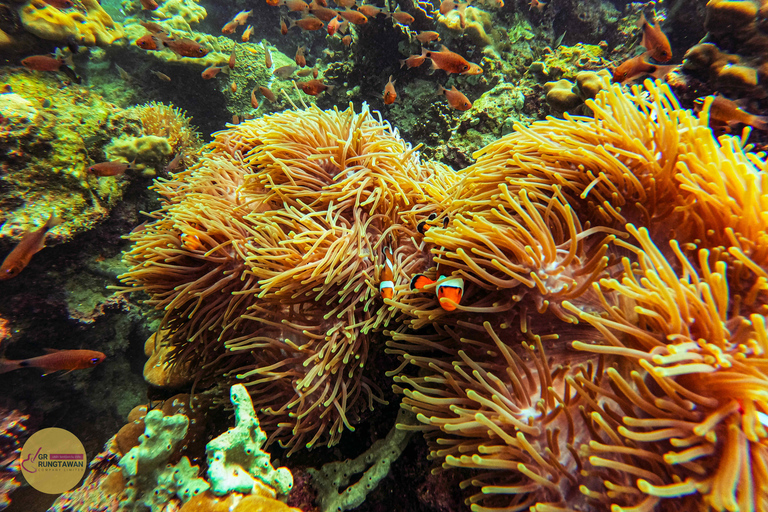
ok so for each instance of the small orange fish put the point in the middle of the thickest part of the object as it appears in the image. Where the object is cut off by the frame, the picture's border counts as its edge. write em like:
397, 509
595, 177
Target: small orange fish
427, 37
189, 240
267, 55
455, 98
346, 4
304, 72
370, 11
730, 113
451, 62
323, 13
211, 72
113, 168
637, 66
301, 61
387, 283
315, 72
232, 58
536, 4
233, 87
30, 244
273, 3
354, 17
55, 361
149, 5
346, 40
295, 5
402, 17
247, 34
154, 28
268, 94
283, 27
308, 23
185, 47
254, 101
654, 40
333, 25
242, 17
390, 95
229, 28
314, 87
413, 61
42, 63
447, 6
148, 42
161, 76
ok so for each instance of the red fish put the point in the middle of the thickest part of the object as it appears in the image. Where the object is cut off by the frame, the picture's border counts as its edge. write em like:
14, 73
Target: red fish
387, 283
42, 63
301, 61
427, 36
447, 6
229, 28
314, 87
354, 17
402, 17
232, 58
154, 28
333, 25
149, 5
536, 4
324, 13
149, 42
185, 47
455, 98
413, 61
113, 168
30, 244
308, 23
211, 72
267, 55
451, 62
283, 27
730, 113
346, 40
637, 66
370, 11
242, 17
390, 95
654, 40
56, 360
268, 94
295, 5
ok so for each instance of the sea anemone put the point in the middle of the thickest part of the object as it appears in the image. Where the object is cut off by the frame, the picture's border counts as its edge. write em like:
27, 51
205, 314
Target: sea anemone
266, 258
167, 121
609, 350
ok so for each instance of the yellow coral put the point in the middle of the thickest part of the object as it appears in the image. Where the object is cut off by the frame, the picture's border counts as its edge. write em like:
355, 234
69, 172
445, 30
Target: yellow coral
475, 23
94, 27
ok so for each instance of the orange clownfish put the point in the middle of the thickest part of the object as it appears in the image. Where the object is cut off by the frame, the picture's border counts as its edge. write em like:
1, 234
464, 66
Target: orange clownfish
449, 289
387, 284
191, 241
423, 226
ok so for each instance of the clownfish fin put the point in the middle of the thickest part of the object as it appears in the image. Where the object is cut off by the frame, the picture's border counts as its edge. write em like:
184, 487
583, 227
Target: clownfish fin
419, 281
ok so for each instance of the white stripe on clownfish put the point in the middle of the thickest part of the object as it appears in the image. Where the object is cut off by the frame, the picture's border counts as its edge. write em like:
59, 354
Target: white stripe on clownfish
387, 284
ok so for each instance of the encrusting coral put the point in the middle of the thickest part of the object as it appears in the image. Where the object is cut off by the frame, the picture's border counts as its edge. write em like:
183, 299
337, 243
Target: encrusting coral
609, 353
267, 257
86, 24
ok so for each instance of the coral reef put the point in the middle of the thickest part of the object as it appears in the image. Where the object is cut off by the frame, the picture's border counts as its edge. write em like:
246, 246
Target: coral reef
87, 23
333, 480
47, 146
12, 435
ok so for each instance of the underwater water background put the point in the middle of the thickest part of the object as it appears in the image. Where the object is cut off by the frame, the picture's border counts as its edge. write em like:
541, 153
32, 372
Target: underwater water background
462, 255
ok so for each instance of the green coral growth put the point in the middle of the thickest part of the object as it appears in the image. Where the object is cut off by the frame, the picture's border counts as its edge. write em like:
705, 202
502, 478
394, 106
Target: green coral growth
236, 462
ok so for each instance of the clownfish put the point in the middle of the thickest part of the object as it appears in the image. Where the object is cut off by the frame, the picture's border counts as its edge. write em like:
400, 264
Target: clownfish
387, 284
190, 241
449, 289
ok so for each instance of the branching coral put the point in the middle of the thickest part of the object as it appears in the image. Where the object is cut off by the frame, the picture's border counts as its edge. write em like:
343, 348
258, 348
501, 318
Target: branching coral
635, 378
266, 258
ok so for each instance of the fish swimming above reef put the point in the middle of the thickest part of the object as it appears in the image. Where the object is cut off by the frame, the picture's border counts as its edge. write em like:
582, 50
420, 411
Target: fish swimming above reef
56, 360
50, 63
654, 40
112, 168
314, 87
728, 112
390, 95
455, 98
31, 243
451, 62
639, 66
